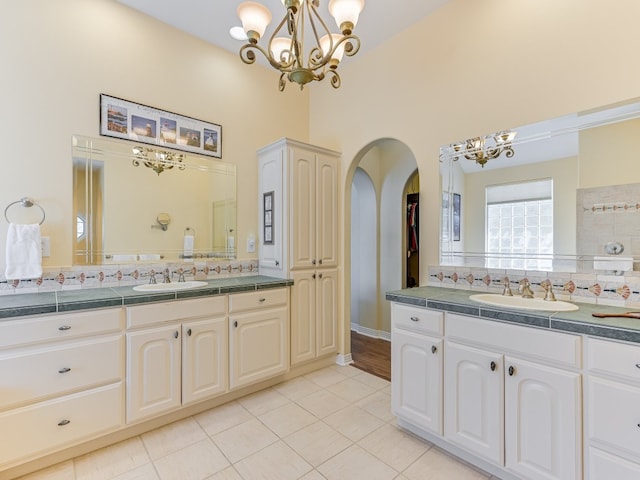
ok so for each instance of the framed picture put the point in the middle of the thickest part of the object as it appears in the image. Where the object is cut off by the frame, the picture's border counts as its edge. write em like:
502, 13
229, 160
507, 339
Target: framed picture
456, 217
143, 124
267, 203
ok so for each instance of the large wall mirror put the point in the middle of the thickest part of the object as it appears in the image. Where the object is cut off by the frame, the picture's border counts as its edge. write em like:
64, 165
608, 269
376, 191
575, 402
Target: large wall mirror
132, 203
556, 195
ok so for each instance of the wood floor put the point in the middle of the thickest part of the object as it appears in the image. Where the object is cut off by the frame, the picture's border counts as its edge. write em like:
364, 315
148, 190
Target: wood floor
372, 355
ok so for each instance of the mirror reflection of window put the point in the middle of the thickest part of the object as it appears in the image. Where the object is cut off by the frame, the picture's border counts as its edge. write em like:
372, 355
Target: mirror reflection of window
520, 224
80, 227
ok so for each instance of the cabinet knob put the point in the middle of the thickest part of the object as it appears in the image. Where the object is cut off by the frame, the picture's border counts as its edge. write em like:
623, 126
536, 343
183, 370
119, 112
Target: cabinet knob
64, 422
235, 324
320, 261
637, 365
434, 349
277, 263
493, 366
313, 262
415, 319
64, 370
313, 276
189, 331
64, 327
512, 371
262, 300
176, 334
319, 275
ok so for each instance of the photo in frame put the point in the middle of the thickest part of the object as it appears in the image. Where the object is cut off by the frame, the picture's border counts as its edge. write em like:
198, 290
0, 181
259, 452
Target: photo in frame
139, 123
267, 203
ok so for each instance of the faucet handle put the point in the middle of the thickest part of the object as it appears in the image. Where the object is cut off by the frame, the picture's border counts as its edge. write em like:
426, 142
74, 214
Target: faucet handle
549, 295
507, 288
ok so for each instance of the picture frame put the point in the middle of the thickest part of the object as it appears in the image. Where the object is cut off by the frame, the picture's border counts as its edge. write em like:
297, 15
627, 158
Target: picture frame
268, 218
456, 217
140, 123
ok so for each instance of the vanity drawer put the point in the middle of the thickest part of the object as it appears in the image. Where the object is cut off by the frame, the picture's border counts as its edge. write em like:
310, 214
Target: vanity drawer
240, 302
614, 358
59, 369
142, 315
534, 342
417, 319
48, 426
604, 466
24, 331
614, 414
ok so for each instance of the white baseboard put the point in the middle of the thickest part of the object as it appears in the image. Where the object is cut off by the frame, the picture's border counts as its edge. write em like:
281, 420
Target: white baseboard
370, 332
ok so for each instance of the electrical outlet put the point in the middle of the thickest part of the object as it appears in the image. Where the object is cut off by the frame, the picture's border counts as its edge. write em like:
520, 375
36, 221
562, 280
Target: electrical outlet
251, 244
45, 243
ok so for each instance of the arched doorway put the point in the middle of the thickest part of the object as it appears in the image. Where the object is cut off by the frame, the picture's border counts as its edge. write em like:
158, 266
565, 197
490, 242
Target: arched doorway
377, 236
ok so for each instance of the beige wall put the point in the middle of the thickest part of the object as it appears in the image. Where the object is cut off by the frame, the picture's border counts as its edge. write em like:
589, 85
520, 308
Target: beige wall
57, 57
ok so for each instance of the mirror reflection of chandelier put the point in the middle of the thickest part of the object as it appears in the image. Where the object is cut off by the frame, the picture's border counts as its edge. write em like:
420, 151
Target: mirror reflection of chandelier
285, 50
157, 160
483, 149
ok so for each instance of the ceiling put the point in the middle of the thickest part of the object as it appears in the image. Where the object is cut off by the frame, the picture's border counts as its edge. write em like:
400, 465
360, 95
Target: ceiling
210, 20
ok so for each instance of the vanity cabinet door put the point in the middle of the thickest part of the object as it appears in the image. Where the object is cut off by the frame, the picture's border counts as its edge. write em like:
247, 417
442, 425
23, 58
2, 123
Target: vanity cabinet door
153, 371
259, 346
204, 359
416, 369
474, 399
543, 419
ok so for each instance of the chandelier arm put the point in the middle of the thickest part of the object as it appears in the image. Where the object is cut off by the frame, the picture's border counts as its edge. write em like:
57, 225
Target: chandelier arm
336, 81
316, 56
280, 63
249, 57
354, 41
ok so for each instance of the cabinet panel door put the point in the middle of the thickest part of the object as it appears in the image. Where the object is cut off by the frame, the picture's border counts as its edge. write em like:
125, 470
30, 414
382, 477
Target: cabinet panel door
326, 318
302, 207
303, 312
473, 395
270, 180
416, 369
153, 371
204, 359
543, 421
259, 344
326, 211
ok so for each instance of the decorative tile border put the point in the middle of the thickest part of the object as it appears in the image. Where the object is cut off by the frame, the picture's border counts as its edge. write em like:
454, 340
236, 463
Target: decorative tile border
611, 290
100, 276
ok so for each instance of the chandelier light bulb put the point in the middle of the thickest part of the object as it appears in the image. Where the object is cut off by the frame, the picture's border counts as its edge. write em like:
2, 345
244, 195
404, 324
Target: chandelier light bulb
255, 18
346, 13
326, 45
280, 46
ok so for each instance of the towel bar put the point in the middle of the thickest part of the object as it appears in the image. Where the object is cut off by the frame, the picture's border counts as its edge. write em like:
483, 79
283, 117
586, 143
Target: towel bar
26, 202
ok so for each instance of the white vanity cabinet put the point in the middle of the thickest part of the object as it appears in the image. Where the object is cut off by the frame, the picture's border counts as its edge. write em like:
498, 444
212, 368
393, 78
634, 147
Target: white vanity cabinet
416, 366
612, 410
62, 375
258, 335
514, 391
299, 239
176, 354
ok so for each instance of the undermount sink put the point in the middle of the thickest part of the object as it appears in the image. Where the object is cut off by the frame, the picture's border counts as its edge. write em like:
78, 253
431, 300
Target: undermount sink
169, 287
520, 303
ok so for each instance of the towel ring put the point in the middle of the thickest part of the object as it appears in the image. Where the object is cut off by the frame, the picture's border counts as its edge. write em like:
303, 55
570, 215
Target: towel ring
26, 202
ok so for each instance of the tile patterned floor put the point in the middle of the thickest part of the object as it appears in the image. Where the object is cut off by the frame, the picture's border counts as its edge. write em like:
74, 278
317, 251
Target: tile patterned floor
332, 424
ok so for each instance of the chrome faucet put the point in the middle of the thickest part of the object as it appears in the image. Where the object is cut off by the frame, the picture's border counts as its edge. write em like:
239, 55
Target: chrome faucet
507, 289
525, 289
180, 275
549, 295
166, 276
152, 277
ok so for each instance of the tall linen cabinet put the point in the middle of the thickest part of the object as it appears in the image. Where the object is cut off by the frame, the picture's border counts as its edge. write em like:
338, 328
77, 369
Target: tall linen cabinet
298, 239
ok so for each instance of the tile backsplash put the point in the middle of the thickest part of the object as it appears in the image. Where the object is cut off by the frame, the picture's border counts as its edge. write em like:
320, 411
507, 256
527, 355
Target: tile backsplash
117, 275
601, 289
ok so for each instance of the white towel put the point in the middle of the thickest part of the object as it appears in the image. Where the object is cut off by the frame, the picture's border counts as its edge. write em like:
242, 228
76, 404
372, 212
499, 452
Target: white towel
149, 256
24, 252
189, 241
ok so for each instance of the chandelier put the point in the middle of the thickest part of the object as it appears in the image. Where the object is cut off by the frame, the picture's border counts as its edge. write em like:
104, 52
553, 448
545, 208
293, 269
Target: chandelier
157, 160
285, 50
483, 149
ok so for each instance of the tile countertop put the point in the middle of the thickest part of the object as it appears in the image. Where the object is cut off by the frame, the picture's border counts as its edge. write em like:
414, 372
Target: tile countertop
579, 321
12, 306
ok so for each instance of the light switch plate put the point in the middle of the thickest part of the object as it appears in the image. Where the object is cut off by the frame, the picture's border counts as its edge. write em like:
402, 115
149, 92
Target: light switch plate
45, 242
251, 244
